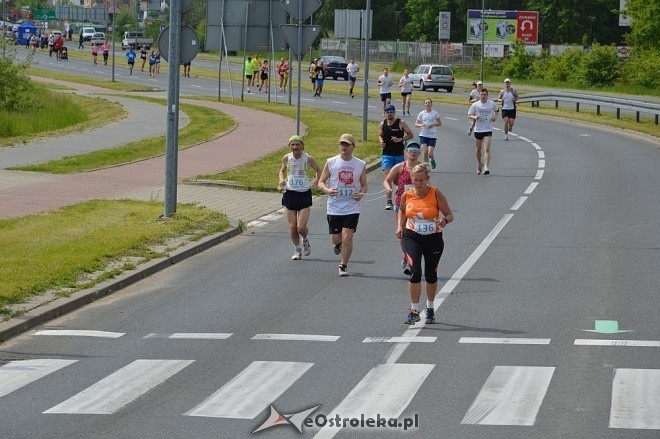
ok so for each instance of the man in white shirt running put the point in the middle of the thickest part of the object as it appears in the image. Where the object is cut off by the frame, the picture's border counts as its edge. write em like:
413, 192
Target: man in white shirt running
483, 113
352, 68
344, 181
385, 84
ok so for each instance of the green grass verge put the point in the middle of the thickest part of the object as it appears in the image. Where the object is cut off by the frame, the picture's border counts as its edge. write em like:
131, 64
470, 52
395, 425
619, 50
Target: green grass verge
58, 114
53, 250
205, 124
323, 129
87, 80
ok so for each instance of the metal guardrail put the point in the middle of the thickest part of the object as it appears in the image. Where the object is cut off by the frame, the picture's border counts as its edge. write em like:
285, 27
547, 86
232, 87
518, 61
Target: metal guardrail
619, 104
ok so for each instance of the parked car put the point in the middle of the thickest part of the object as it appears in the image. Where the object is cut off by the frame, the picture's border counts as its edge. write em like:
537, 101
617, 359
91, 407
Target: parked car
433, 76
334, 67
135, 39
98, 38
87, 33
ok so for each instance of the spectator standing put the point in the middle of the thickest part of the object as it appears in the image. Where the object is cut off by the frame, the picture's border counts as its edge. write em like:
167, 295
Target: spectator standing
80, 41
344, 180
297, 193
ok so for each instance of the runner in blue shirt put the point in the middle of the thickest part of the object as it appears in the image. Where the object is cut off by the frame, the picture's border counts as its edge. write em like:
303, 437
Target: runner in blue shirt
130, 56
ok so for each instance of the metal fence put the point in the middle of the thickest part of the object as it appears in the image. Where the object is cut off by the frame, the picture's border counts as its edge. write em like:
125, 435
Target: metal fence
407, 52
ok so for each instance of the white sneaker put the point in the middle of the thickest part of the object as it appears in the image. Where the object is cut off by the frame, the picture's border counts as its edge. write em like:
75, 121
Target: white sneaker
343, 271
486, 171
297, 255
307, 248
506, 137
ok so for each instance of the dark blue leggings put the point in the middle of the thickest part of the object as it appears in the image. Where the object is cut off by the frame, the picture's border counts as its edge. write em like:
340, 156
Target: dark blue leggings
416, 246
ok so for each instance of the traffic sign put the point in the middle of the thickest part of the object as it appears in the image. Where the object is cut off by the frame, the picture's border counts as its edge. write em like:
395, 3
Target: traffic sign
309, 34
189, 44
308, 8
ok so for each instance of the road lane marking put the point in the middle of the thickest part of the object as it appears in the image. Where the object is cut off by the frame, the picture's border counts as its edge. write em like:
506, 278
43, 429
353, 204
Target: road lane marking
386, 391
399, 340
510, 340
636, 399
296, 337
80, 333
531, 188
19, 373
121, 387
541, 154
625, 343
193, 335
512, 395
252, 390
518, 203
539, 174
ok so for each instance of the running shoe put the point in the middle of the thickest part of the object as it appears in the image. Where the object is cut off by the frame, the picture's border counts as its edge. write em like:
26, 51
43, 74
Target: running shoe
337, 249
430, 316
352, 96
478, 169
432, 163
486, 171
343, 270
413, 317
389, 205
297, 255
506, 137
307, 248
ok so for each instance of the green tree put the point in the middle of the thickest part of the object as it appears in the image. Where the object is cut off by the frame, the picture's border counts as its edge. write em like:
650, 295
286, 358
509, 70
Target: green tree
645, 26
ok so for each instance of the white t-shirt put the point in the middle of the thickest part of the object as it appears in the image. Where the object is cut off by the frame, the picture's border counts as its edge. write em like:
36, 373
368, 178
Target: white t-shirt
426, 118
345, 176
474, 94
485, 112
352, 69
297, 179
507, 99
385, 84
406, 84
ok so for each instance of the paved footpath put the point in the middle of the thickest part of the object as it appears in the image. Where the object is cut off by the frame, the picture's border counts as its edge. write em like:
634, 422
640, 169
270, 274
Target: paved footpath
257, 134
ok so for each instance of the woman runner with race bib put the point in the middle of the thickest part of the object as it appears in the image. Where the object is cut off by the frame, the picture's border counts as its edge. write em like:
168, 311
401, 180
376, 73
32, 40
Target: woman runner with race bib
424, 212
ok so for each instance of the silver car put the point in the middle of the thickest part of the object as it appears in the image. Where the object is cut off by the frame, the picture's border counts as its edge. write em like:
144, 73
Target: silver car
433, 76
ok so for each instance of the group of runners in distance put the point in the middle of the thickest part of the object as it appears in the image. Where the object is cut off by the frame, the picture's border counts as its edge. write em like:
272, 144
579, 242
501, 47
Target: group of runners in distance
421, 209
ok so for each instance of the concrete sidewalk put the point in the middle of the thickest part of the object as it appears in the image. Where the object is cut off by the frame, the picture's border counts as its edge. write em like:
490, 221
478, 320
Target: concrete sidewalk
256, 135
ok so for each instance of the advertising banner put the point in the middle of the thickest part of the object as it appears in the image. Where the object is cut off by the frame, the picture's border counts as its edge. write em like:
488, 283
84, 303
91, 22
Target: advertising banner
502, 27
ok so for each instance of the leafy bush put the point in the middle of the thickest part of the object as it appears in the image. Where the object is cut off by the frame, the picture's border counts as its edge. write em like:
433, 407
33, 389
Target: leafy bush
520, 64
599, 67
15, 87
641, 68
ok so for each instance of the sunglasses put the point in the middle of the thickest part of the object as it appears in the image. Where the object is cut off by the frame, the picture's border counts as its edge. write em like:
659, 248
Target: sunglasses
390, 112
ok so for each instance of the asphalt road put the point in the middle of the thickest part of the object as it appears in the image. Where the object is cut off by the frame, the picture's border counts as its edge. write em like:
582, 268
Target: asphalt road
547, 314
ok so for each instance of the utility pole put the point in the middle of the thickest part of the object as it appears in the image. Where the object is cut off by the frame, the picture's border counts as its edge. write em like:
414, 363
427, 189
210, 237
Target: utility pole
396, 50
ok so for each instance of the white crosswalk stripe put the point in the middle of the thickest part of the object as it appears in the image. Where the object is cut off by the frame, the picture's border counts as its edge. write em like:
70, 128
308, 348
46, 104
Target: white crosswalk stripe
120, 388
17, 374
512, 395
636, 399
251, 391
385, 391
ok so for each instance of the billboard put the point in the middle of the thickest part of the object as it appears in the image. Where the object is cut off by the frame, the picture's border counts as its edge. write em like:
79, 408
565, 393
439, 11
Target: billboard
502, 27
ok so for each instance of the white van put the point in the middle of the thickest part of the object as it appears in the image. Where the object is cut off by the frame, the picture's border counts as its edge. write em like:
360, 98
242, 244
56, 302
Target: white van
87, 33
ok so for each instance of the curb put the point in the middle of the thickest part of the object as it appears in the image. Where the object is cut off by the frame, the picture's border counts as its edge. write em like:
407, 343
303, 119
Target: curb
58, 307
